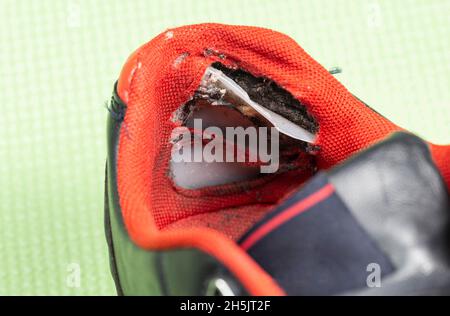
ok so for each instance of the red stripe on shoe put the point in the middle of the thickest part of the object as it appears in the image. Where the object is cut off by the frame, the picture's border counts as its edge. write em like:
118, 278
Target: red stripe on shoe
286, 215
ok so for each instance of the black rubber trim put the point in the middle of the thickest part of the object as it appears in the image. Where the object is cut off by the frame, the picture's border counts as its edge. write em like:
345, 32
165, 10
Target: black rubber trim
117, 107
109, 240
160, 273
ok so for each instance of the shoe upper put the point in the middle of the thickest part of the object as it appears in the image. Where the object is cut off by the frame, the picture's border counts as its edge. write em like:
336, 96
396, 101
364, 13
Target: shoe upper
152, 222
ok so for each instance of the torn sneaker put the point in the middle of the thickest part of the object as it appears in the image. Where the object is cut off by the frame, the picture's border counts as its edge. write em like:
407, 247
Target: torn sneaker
238, 165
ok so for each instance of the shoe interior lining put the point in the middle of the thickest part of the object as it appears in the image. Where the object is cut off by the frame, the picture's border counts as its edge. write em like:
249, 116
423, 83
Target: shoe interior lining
236, 220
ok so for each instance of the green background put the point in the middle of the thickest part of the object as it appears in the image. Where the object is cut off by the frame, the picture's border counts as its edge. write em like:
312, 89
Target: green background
59, 60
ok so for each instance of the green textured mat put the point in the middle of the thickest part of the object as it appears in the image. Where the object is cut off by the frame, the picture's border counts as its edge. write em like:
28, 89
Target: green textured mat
59, 60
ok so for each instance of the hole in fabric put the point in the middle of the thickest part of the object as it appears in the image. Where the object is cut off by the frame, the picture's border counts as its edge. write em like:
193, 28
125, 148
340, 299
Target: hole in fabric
216, 108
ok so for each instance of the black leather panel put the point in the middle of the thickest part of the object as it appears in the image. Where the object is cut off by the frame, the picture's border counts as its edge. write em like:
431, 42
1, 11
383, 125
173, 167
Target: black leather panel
321, 250
399, 197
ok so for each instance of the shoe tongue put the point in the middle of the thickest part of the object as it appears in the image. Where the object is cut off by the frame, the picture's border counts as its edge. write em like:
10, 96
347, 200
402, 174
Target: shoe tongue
312, 245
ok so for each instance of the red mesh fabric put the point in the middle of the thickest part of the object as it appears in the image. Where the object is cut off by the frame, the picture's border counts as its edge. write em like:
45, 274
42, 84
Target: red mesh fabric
227, 221
441, 156
163, 74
